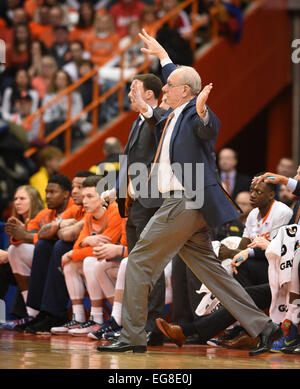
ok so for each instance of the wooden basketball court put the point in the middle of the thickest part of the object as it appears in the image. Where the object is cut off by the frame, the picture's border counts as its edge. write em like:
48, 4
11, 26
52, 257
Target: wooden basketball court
25, 351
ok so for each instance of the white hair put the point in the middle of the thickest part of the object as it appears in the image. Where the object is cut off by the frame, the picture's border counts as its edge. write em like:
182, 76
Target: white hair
191, 77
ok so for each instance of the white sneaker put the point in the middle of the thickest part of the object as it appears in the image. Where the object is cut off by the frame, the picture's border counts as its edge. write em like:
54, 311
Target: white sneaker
64, 330
85, 328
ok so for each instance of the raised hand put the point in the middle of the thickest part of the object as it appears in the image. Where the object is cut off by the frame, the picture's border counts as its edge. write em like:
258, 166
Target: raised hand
202, 99
152, 46
136, 97
271, 178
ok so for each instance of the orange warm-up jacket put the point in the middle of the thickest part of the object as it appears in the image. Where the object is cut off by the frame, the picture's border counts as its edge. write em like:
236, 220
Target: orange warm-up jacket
45, 216
110, 224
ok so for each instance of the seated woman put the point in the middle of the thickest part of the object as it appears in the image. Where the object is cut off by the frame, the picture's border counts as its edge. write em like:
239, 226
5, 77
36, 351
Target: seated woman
26, 205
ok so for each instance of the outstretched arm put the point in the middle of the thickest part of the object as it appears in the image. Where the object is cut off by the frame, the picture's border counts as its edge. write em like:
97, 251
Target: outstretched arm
152, 46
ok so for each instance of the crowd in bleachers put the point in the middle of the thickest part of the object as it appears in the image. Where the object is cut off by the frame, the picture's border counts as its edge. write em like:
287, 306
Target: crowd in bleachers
44, 37
50, 44
64, 242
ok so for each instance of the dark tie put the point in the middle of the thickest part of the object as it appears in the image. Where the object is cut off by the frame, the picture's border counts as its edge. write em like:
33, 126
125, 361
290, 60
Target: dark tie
170, 117
135, 129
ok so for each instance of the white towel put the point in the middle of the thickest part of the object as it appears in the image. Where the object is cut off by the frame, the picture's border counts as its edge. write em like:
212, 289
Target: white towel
280, 254
209, 302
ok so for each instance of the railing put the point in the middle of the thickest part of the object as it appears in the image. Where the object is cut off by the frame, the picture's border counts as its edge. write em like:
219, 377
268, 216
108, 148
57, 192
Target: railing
65, 128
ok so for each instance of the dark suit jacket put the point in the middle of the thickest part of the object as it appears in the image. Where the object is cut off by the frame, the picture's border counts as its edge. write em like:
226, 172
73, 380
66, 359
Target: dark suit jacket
242, 183
192, 143
141, 147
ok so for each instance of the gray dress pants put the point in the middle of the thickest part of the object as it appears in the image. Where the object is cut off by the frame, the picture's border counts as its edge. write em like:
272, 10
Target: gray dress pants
176, 229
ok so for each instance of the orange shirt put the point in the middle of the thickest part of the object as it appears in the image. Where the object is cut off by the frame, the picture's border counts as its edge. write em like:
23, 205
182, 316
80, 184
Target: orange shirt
47, 37
45, 216
39, 30
110, 225
74, 212
80, 34
102, 49
31, 6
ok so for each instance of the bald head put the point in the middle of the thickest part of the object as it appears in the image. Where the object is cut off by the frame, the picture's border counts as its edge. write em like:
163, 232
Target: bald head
112, 145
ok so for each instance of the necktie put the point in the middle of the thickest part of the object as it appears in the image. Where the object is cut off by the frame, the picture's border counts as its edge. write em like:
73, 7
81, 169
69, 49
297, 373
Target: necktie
170, 117
227, 183
135, 129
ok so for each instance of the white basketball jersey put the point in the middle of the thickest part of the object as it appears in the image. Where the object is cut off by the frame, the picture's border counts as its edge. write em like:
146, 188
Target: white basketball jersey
278, 215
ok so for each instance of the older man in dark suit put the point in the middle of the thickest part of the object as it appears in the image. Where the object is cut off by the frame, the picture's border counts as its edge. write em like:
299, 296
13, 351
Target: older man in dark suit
181, 225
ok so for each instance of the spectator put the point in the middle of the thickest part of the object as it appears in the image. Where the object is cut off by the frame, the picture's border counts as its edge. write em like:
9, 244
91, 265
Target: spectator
286, 167
234, 182
243, 201
18, 52
180, 21
37, 51
41, 26
124, 12
31, 6
56, 114
23, 110
60, 49
85, 24
103, 42
77, 54
14, 170
20, 88
56, 18
7, 10
148, 19
51, 159
112, 149
26, 205
86, 89
132, 59
226, 19
96, 4
42, 82
20, 16
178, 48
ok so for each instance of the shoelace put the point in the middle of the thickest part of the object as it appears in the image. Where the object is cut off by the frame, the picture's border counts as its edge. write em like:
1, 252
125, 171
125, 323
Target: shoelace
87, 324
70, 323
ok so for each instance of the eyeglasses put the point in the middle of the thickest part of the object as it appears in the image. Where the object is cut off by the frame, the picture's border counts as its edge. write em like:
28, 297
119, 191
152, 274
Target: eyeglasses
170, 85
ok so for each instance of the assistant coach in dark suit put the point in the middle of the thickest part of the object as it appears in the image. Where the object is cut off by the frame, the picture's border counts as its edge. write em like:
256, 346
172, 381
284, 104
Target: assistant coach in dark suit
188, 138
141, 148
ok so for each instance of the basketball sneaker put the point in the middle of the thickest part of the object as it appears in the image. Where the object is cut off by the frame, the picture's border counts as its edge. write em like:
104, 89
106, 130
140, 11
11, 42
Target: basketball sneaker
110, 326
85, 328
290, 337
64, 329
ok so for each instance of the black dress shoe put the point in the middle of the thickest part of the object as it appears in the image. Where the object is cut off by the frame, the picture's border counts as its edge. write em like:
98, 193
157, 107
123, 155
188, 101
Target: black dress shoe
266, 339
155, 339
122, 347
